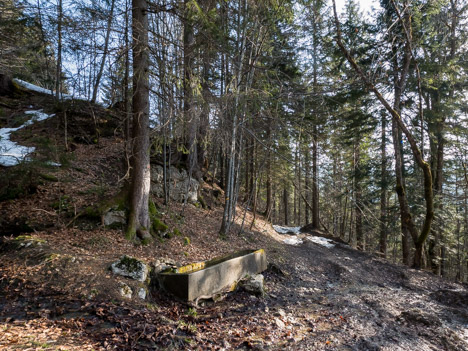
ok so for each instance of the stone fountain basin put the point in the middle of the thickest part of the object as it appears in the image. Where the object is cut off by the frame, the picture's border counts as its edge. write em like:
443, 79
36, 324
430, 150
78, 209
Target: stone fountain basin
205, 279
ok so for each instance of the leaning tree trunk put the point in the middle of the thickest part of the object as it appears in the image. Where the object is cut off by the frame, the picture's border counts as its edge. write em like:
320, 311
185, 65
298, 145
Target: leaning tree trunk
419, 239
139, 221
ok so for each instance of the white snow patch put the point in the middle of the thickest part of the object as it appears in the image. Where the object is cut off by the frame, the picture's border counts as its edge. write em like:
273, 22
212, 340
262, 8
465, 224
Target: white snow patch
321, 241
286, 230
12, 153
293, 241
39, 89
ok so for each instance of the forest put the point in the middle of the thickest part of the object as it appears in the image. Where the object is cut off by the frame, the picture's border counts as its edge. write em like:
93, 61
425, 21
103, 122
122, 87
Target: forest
352, 123
348, 119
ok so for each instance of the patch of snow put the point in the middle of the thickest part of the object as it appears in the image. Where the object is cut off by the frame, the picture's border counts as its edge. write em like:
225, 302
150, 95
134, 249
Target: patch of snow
293, 241
54, 164
286, 230
37, 116
39, 89
12, 153
321, 241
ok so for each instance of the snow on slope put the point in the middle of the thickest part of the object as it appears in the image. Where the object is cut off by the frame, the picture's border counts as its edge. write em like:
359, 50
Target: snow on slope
293, 240
321, 241
38, 89
11, 153
286, 230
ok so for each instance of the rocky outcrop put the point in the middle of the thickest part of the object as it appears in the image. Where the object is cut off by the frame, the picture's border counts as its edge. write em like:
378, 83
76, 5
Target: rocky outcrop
254, 284
113, 217
180, 184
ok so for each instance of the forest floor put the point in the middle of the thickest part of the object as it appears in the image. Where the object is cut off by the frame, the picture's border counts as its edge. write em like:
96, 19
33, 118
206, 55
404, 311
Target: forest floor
57, 292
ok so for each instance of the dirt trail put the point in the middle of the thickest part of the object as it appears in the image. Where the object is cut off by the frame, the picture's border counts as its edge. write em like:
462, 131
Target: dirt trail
317, 298
373, 304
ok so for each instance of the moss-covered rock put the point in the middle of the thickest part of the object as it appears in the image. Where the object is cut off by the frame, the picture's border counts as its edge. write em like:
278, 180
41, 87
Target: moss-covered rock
158, 227
130, 267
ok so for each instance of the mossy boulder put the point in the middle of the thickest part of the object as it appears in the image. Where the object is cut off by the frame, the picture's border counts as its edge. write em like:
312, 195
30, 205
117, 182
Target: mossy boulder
130, 267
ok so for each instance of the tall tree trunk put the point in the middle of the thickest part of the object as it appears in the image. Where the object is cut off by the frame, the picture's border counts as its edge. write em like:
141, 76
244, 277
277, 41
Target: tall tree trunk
315, 189
358, 197
307, 182
383, 190
295, 197
405, 215
191, 118
269, 193
286, 205
230, 198
139, 221
104, 54
58, 72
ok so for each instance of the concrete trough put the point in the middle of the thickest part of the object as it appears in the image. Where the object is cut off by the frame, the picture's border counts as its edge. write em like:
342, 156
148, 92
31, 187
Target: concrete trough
205, 279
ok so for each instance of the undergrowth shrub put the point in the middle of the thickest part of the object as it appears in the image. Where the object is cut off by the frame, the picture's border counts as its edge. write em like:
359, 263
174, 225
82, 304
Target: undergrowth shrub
19, 181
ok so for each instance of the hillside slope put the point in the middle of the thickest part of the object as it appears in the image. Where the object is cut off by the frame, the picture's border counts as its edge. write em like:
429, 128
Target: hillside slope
56, 292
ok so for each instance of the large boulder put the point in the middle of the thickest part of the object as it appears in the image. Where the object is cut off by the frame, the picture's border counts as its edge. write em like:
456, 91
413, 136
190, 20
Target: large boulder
130, 267
180, 184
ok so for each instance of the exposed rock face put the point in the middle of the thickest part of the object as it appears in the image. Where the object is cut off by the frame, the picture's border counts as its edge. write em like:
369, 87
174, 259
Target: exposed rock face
142, 293
130, 267
180, 184
113, 217
254, 284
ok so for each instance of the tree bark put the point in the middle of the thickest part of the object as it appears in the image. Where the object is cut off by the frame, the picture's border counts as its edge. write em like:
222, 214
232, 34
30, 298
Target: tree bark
315, 189
358, 198
58, 72
139, 221
307, 182
286, 205
383, 190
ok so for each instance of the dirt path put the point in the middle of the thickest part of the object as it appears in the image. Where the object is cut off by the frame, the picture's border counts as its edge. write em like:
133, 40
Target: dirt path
317, 298
372, 304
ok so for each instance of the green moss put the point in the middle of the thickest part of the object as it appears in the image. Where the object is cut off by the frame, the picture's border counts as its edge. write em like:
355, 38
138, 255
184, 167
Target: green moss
92, 213
62, 204
130, 234
177, 232
153, 211
202, 201
24, 241
158, 227
29, 238
130, 264
146, 241
186, 241
17, 90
